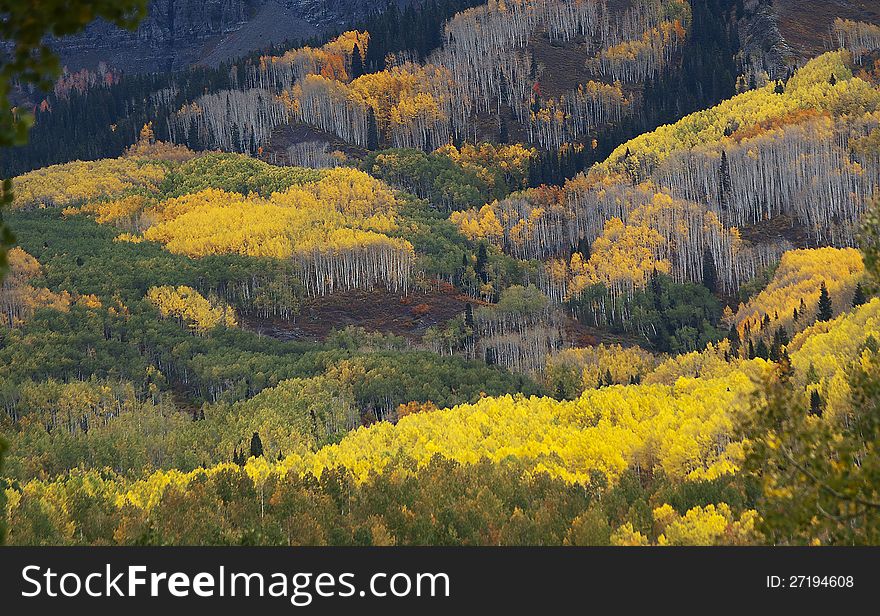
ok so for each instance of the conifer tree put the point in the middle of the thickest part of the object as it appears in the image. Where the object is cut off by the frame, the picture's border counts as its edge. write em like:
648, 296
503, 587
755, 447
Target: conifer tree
560, 391
725, 183
372, 130
825, 311
256, 445
815, 403
2, 497
357, 63
482, 261
761, 350
503, 133
734, 339
859, 296
710, 273
469, 315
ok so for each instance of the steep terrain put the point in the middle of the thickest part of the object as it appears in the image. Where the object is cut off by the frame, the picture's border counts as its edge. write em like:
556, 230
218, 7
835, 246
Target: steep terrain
806, 25
179, 33
420, 337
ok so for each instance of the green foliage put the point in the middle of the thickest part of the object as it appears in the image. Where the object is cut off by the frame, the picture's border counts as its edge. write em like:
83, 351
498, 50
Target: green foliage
825, 311
80, 256
869, 239
673, 317
98, 424
443, 252
522, 301
32, 61
442, 503
235, 173
433, 176
2, 494
757, 284
819, 475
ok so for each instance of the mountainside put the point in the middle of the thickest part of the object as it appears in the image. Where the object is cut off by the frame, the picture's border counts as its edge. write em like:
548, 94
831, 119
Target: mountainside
530, 272
179, 33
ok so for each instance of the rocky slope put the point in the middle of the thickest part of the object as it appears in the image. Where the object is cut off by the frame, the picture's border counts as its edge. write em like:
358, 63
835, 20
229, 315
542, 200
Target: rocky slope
777, 35
180, 33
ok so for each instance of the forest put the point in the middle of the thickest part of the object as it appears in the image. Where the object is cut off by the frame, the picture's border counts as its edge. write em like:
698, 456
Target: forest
424, 286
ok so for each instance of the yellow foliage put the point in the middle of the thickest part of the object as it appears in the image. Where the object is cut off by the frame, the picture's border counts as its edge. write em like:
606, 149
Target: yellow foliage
482, 224
79, 181
123, 212
626, 535
796, 284
822, 354
594, 363
623, 258
709, 525
513, 160
809, 88
346, 209
712, 362
682, 429
188, 305
19, 299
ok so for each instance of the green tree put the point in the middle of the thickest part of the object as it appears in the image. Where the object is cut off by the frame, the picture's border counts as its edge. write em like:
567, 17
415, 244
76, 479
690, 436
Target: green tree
2, 495
25, 25
815, 403
859, 296
819, 475
869, 238
735, 342
256, 445
761, 350
710, 273
482, 261
825, 312
357, 63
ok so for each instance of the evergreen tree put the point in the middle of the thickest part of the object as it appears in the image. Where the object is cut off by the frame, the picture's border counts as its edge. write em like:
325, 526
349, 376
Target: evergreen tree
560, 391
372, 130
761, 350
710, 273
192, 137
235, 137
482, 261
725, 183
609, 380
815, 403
583, 247
780, 339
490, 356
469, 315
2, 496
859, 296
734, 339
256, 446
825, 312
503, 136
357, 63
